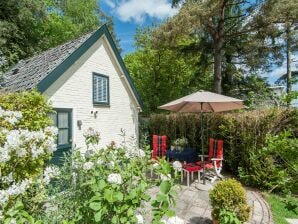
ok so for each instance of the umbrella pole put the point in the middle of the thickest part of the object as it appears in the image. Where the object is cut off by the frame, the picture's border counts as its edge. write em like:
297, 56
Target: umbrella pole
202, 145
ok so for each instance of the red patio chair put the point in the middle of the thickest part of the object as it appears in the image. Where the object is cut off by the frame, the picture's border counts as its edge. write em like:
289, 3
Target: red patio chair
213, 164
159, 146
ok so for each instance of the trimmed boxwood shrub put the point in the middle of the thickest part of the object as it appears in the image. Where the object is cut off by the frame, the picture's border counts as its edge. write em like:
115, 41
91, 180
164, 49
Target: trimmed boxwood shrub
229, 196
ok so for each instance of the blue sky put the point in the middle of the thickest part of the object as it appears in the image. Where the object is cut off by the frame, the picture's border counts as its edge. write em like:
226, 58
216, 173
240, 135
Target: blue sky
130, 14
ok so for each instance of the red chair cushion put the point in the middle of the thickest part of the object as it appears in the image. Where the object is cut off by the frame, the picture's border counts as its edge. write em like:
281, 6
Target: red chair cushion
191, 167
159, 146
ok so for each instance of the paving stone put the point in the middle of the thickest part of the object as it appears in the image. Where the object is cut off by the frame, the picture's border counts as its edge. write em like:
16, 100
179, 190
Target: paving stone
292, 221
197, 210
194, 207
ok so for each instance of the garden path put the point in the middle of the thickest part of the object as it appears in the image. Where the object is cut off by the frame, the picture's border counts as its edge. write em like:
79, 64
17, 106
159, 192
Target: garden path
194, 207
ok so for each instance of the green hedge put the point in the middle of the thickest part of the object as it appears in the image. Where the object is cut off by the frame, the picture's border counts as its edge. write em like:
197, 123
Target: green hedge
243, 132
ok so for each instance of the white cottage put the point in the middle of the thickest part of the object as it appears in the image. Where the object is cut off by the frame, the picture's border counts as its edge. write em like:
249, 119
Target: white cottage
88, 85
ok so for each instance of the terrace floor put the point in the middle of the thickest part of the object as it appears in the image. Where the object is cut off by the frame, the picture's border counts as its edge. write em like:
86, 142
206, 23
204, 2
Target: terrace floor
193, 205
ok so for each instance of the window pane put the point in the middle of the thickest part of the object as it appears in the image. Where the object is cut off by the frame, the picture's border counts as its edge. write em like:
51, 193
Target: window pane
53, 117
100, 89
62, 120
62, 136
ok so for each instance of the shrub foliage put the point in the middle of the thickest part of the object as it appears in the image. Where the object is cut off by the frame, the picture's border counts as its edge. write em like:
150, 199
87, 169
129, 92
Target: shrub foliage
26, 144
244, 133
229, 195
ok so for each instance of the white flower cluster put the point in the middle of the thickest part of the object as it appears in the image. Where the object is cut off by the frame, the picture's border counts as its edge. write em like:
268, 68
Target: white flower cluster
165, 177
135, 152
155, 165
51, 130
7, 179
14, 190
174, 220
27, 143
177, 165
140, 219
90, 132
88, 165
115, 178
49, 173
10, 116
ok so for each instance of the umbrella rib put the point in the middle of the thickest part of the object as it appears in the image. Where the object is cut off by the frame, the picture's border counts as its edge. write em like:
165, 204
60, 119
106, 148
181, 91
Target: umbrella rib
182, 105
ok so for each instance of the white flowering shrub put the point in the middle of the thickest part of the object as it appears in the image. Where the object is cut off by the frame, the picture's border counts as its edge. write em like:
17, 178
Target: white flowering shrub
25, 145
110, 185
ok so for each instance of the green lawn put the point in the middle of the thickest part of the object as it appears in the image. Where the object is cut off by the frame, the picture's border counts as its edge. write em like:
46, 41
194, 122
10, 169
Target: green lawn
282, 210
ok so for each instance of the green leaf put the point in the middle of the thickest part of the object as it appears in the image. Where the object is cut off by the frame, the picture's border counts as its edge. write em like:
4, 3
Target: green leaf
130, 212
165, 186
161, 197
132, 194
95, 206
118, 196
97, 216
19, 205
170, 213
102, 184
108, 195
167, 167
123, 219
115, 219
95, 198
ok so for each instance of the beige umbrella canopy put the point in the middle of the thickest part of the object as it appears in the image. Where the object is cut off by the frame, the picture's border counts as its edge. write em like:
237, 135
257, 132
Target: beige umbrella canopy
203, 101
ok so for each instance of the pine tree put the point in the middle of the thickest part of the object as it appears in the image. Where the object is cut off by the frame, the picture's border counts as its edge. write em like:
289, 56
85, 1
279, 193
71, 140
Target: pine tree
217, 23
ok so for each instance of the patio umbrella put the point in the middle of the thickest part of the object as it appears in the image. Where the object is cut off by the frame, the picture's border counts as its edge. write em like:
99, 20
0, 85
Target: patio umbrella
203, 101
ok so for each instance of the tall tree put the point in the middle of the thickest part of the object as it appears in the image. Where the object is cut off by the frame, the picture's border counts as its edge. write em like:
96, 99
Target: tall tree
30, 26
282, 15
222, 21
162, 74
19, 35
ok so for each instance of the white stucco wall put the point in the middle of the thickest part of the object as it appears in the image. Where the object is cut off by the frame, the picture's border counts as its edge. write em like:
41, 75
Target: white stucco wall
74, 90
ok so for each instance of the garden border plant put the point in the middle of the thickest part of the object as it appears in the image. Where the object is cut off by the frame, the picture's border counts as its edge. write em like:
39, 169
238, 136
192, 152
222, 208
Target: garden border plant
26, 143
98, 186
109, 185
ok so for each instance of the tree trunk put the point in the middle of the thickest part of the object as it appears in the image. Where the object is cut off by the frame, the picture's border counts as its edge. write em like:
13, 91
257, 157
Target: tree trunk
289, 72
217, 78
218, 38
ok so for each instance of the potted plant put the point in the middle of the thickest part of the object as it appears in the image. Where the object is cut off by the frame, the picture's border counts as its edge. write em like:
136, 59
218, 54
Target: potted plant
228, 201
180, 143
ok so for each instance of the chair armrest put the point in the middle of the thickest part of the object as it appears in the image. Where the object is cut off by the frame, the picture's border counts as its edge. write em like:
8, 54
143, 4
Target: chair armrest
202, 157
216, 159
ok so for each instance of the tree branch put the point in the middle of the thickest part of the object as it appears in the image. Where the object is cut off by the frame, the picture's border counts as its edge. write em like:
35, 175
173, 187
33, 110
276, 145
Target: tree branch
234, 17
238, 3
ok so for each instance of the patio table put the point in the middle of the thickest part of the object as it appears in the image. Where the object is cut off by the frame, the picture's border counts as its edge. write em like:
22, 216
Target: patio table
189, 155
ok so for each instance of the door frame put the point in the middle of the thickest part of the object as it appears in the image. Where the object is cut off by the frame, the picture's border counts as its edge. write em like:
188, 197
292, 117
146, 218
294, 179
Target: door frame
70, 134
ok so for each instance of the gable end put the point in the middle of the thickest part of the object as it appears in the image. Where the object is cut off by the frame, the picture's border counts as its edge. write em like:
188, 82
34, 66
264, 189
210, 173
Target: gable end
45, 83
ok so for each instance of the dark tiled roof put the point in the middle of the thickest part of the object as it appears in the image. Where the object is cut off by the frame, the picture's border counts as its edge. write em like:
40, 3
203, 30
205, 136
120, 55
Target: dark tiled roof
28, 73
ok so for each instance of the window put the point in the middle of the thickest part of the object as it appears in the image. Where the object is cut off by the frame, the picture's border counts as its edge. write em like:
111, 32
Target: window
101, 89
